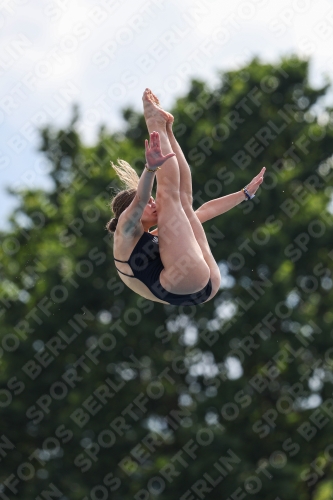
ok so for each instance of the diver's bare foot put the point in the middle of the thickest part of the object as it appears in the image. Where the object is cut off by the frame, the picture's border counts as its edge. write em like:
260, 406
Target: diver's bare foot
152, 113
154, 98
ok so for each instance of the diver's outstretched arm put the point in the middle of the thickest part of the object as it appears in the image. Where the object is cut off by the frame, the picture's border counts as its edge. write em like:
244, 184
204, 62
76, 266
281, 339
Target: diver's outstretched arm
212, 208
219, 206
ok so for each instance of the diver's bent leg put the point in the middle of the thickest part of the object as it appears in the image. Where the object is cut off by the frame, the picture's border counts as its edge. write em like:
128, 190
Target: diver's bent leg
186, 195
172, 225
179, 248
187, 203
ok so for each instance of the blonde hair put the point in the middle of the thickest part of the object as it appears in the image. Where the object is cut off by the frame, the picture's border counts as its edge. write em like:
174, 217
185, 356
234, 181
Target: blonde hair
126, 174
123, 198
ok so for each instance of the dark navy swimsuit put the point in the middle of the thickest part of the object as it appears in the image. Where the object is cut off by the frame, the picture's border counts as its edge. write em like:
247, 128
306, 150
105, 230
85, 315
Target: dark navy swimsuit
146, 265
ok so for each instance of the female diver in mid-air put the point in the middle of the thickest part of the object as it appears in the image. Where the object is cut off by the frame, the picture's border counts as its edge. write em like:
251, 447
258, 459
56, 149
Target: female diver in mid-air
177, 266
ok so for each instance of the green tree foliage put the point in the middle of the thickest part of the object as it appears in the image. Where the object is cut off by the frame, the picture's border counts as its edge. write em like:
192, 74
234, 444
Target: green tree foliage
107, 395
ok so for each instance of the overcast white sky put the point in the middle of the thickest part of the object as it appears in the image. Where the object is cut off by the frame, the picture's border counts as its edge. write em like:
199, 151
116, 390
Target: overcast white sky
102, 54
